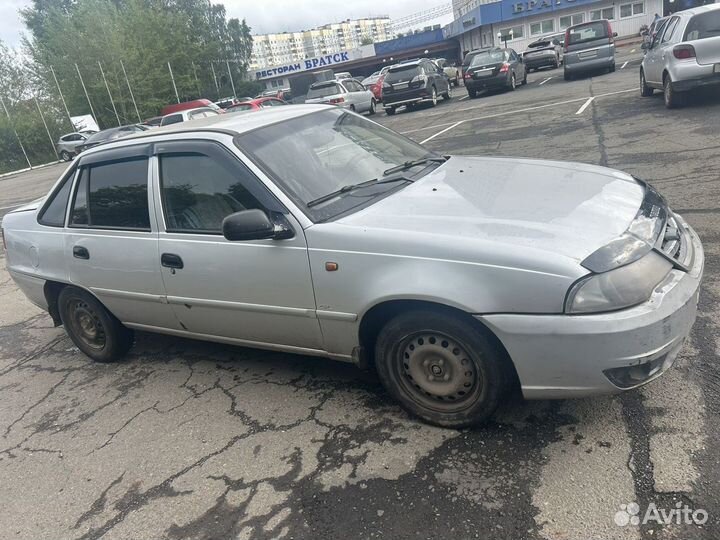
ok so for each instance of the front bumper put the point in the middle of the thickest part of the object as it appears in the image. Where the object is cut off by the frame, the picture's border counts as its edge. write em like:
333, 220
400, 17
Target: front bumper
561, 356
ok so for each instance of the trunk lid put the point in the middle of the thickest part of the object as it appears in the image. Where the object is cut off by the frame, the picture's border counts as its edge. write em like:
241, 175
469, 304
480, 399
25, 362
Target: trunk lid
707, 51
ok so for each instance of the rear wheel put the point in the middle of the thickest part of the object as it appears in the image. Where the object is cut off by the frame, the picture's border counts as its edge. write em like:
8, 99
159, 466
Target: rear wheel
65, 155
457, 78
567, 76
472, 93
440, 368
645, 90
448, 95
672, 98
524, 81
94, 330
612, 68
371, 111
390, 111
512, 83
433, 97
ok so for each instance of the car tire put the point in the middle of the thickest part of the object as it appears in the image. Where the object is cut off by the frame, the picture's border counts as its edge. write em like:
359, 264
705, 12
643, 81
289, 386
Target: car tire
390, 111
512, 83
441, 368
672, 98
448, 95
91, 327
645, 90
612, 69
433, 97
472, 94
65, 155
457, 79
524, 81
567, 76
557, 62
371, 110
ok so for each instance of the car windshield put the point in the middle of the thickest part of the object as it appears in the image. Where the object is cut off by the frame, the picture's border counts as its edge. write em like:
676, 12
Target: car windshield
103, 135
703, 26
588, 32
319, 153
324, 90
489, 57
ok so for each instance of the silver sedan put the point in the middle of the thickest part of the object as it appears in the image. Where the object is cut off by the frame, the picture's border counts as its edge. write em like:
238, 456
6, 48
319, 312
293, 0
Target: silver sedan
313, 230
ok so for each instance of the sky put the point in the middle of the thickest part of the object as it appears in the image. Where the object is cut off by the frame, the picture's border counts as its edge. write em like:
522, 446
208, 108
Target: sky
273, 16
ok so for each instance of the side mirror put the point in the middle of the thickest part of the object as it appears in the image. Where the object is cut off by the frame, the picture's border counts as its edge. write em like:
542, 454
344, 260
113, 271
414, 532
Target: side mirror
253, 225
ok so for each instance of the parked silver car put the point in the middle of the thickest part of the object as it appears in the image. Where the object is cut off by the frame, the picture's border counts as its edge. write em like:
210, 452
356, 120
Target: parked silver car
345, 93
544, 52
589, 47
67, 144
313, 230
683, 55
188, 114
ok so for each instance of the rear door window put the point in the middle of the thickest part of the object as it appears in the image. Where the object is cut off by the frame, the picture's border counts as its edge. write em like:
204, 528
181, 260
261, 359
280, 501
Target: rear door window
172, 119
670, 29
703, 26
113, 196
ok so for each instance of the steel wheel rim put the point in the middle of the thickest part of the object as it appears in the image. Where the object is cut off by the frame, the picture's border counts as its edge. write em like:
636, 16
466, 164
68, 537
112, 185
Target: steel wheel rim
437, 372
434, 97
86, 325
449, 94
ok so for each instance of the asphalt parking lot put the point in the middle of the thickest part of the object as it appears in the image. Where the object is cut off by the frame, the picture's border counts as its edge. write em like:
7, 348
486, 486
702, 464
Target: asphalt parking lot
187, 439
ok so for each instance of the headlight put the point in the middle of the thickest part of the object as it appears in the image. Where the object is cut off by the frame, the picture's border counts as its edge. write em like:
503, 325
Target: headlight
620, 288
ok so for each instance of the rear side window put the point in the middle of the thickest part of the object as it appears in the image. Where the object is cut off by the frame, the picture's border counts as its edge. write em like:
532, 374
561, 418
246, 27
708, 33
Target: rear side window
198, 192
670, 29
53, 215
173, 119
703, 26
113, 195
324, 90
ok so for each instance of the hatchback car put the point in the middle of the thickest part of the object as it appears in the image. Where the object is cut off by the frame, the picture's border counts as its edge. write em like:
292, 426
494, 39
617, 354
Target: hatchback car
414, 82
495, 69
313, 230
683, 55
189, 114
544, 52
345, 93
67, 144
589, 47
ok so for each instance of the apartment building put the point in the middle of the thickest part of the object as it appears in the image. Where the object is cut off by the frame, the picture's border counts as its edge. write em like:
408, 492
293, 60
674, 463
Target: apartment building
286, 47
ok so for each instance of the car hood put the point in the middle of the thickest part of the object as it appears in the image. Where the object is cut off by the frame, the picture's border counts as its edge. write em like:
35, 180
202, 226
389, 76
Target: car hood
565, 209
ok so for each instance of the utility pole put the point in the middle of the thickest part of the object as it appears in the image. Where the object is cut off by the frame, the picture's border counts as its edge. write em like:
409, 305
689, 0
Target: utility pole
197, 81
132, 96
217, 88
62, 98
16, 133
46, 128
227, 62
86, 93
109, 94
173, 81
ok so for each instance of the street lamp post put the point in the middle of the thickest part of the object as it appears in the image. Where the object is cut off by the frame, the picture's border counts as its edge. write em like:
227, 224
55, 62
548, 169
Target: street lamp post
505, 37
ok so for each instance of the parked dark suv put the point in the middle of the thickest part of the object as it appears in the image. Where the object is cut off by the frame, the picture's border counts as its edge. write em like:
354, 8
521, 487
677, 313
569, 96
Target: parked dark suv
495, 69
411, 83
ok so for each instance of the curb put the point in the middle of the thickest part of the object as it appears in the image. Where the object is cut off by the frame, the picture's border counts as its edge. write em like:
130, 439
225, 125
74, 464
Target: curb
26, 169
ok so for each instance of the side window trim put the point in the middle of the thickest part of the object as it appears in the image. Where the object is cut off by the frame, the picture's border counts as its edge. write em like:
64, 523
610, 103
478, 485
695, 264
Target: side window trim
76, 186
212, 149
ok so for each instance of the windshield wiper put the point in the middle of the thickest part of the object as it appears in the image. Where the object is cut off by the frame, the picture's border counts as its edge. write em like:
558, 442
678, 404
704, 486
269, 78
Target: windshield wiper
359, 185
410, 164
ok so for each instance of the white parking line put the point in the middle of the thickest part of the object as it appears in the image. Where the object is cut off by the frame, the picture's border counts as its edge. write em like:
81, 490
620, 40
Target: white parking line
431, 137
506, 113
585, 105
546, 80
623, 66
633, 51
464, 97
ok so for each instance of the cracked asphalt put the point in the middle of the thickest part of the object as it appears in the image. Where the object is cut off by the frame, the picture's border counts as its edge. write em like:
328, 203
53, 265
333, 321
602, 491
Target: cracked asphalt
187, 439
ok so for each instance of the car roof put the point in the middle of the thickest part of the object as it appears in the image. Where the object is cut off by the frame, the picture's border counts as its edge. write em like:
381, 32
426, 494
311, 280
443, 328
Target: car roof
697, 10
231, 124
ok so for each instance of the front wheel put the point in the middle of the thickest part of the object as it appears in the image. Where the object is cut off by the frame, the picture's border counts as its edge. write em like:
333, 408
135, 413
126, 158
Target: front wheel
93, 329
472, 93
433, 97
440, 368
612, 69
512, 84
448, 95
390, 111
371, 111
672, 98
457, 79
567, 76
645, 90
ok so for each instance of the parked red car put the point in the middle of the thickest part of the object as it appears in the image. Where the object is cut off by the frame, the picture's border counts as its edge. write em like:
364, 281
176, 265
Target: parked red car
256, 104
194, 104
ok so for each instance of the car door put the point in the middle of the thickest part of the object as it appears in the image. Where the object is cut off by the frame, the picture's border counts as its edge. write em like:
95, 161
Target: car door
111, 241
259, 291
656, 55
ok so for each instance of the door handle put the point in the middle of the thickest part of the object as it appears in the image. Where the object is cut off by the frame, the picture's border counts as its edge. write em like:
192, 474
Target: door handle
80, 252
170, 260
